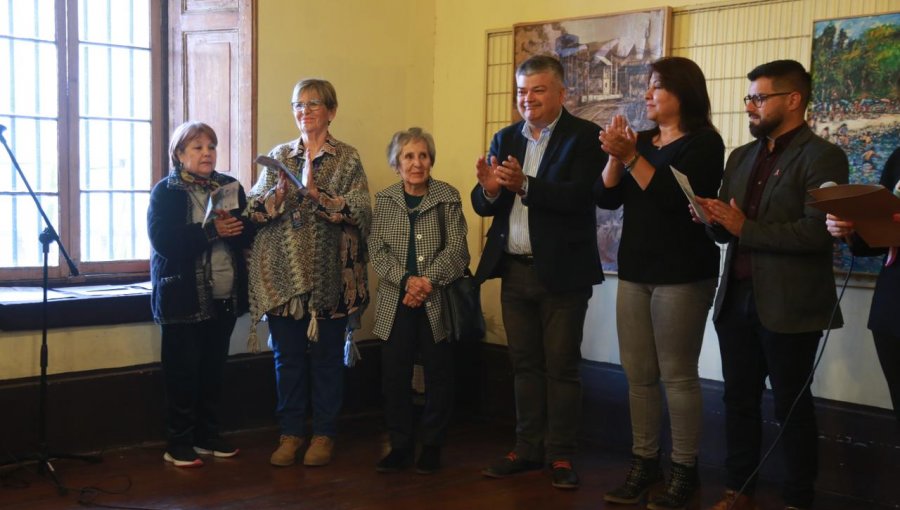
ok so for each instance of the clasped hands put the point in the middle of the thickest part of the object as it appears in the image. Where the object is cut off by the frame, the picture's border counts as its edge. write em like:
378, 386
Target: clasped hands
618, 140
312, 190
494, 174
729, 215
418, 288
226, 224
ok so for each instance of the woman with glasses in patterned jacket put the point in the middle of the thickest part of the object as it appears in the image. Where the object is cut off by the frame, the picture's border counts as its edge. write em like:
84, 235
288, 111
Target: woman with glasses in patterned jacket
308, 270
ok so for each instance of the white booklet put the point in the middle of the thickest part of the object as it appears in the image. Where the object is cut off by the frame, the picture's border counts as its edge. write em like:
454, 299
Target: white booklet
689, 193
224, 197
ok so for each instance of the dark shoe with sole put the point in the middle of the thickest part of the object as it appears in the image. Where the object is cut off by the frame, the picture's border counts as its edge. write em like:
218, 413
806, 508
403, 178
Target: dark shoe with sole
217, 447
182, 456
682, 487
397, 459
429, 460
509, 465
564, 477
643, 475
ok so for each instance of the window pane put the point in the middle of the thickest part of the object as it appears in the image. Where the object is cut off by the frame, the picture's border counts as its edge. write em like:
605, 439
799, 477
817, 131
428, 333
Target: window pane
105, 237
94, 74
120, 22
115, 155
115, 182
30, 63
115, 97
94, 24
24, 18
33, 142
21, 246
116, 82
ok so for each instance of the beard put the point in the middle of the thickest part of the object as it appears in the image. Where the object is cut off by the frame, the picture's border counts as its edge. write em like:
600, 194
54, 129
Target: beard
765, 127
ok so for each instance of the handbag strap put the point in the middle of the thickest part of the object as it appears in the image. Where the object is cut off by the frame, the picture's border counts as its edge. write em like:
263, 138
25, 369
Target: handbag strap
442, 224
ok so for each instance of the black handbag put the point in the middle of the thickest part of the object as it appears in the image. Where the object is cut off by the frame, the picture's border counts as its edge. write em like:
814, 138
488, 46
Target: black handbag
461, 299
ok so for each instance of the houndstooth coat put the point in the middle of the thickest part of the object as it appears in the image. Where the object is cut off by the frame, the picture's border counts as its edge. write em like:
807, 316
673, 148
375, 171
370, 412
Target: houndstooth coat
388, 243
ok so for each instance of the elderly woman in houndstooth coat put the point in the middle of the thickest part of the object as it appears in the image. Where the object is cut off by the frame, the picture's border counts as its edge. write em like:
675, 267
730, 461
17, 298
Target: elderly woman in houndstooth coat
414, 259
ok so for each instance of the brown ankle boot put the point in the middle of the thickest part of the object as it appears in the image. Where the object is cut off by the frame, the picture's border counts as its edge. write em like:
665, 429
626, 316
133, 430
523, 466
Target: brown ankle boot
286, 454
319, 452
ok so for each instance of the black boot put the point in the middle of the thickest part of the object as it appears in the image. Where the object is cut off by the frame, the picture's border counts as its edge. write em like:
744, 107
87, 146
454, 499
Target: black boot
429, 460
644, 473
396, 460
681, 489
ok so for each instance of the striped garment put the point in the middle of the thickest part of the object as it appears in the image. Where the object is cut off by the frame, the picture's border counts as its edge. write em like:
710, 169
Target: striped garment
519, 241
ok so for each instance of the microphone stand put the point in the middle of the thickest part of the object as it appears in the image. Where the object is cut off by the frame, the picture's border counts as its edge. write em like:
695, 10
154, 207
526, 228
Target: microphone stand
43, 456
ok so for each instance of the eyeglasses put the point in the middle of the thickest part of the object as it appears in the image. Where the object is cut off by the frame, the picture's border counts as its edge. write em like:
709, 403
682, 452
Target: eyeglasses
309, 106
759, 99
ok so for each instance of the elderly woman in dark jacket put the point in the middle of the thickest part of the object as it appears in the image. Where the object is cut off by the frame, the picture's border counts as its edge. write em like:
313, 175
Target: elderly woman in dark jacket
414, 259
199, 288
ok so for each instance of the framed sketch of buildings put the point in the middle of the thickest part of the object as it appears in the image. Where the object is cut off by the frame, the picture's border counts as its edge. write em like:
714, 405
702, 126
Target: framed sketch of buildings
606, 61
854, 104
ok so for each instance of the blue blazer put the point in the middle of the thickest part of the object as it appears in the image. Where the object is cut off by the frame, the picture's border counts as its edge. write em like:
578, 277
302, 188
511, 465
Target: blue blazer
561, 214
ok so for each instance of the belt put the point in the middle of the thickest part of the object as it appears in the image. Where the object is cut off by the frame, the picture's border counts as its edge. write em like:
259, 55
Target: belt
528, 260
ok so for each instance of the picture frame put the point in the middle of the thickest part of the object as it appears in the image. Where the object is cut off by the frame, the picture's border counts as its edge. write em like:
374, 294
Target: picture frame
855, 66
606, 59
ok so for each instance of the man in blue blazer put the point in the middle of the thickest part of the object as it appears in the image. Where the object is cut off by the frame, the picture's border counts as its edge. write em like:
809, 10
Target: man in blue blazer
777, 291
536, 184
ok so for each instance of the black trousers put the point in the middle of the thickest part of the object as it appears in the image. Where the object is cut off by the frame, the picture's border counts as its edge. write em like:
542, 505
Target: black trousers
412, 334
888, 348
750, 353
193, 361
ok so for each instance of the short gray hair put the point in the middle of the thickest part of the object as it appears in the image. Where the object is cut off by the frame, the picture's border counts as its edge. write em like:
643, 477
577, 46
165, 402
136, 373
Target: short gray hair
542, 64
401, 138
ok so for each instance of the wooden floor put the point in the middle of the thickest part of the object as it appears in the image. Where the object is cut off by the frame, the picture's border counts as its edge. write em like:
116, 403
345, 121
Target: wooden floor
138, 478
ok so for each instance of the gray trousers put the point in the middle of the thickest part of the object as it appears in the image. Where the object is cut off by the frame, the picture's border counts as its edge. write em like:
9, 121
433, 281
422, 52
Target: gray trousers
544, 331
660, 334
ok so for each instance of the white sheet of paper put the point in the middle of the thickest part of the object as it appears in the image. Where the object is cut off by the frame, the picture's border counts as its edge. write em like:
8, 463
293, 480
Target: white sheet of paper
688, 191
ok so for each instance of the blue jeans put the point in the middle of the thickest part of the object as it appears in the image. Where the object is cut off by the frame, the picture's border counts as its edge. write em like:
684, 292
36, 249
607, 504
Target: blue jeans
301, 366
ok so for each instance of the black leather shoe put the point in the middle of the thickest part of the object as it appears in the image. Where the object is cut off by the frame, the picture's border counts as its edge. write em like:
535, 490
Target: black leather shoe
429, 460
510, 465
564, 477
394, 461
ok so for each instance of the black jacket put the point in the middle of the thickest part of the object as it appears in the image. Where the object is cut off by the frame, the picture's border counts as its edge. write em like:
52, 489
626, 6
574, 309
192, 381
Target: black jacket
561, 215
177, 243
